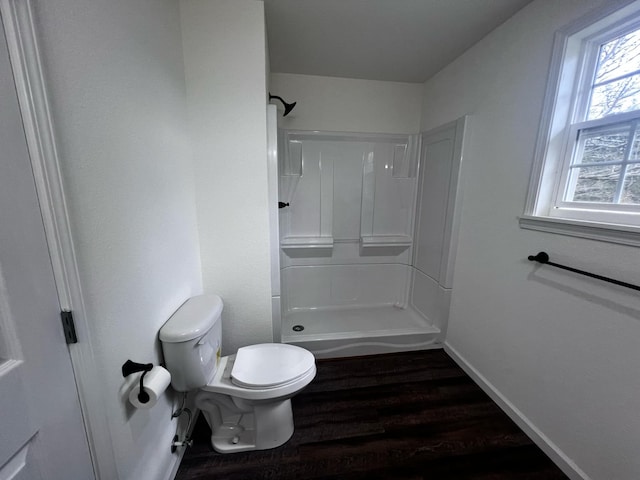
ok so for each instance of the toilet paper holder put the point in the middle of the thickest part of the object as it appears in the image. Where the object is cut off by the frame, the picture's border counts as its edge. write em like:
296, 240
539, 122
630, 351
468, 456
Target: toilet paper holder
130, 367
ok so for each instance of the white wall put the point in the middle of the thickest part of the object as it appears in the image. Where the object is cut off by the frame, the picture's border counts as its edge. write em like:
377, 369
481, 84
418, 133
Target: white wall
224, 57
115, 76
348, 105
562, 349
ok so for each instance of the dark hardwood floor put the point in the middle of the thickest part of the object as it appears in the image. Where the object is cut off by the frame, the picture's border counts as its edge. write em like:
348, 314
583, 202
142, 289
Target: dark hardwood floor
409, 416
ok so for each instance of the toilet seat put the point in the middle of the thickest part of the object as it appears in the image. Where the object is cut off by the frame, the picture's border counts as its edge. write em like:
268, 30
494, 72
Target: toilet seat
222, 383
270, 365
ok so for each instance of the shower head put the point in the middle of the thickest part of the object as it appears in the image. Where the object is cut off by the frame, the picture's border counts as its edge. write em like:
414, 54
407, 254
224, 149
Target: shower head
287, 106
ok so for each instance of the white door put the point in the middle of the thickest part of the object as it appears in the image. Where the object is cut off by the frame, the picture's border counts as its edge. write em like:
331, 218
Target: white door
42, 434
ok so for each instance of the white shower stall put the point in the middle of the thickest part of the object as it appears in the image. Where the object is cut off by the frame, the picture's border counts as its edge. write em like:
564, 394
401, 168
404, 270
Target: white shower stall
367, 229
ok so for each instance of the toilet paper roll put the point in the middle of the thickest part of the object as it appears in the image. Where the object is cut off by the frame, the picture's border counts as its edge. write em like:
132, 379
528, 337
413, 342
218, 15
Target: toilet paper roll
155, 383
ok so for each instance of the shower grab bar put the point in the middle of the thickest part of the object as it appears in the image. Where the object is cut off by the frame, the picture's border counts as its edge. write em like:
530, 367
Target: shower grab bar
543, 258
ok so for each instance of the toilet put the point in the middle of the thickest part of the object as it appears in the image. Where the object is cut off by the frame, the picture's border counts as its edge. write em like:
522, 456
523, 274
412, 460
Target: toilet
245, 397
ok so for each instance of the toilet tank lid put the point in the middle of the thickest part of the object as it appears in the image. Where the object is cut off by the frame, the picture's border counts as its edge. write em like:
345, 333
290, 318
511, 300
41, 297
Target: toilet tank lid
193, 319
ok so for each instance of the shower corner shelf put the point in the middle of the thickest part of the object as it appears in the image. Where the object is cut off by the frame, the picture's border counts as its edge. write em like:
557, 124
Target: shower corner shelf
377, 241
300, 245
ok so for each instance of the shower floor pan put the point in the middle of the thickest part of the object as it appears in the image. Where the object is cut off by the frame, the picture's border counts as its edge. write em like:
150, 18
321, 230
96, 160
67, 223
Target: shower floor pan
332, 333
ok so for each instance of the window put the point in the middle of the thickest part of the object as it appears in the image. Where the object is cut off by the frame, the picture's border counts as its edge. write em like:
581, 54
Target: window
587, 170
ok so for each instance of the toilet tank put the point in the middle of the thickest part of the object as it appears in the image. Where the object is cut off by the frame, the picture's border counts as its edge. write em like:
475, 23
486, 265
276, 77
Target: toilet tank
192, 342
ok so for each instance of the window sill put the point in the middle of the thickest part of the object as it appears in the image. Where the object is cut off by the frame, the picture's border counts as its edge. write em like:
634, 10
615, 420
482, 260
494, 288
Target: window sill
604, 232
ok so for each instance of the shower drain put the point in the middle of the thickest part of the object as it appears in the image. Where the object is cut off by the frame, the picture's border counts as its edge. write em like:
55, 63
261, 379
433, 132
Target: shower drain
297, 328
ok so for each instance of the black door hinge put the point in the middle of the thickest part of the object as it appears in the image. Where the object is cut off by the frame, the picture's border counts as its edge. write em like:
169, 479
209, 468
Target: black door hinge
69, 327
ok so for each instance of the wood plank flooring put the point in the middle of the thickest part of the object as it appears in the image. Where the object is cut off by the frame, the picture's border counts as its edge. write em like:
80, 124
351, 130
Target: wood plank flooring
409, 416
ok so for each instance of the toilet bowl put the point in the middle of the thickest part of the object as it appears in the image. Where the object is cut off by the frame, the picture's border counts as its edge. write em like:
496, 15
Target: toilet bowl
259, 415
245, 397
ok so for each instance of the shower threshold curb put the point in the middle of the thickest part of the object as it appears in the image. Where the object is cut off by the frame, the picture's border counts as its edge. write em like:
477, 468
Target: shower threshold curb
366, 343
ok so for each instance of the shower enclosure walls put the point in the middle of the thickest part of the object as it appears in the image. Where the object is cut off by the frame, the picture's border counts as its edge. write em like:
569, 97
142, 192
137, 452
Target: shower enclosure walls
366, 231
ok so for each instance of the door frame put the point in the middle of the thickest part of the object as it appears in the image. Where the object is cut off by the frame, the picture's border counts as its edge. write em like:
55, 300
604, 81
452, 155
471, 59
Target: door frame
24, 54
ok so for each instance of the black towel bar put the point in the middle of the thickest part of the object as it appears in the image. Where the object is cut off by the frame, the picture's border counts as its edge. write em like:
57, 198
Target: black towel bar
543, 257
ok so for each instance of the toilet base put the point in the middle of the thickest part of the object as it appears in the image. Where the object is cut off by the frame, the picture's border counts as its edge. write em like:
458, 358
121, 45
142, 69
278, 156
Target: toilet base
249, 427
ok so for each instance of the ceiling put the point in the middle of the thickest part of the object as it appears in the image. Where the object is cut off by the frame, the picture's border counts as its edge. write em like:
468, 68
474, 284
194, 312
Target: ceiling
392, 40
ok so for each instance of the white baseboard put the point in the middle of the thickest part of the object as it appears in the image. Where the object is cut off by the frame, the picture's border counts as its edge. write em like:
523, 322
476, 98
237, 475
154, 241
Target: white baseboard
540, 439
176, 464
178, 459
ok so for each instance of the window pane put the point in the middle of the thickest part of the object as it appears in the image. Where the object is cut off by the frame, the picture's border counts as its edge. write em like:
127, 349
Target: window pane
635, 149
603, 144
631, 187
616, 97
618, 57
595, 184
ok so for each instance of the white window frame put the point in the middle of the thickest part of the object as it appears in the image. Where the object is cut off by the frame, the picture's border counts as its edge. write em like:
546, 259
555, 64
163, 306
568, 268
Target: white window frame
573, 63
